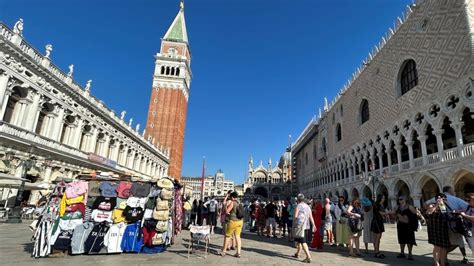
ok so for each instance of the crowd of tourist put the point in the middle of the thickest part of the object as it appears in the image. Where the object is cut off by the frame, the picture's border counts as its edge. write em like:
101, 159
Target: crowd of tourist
310, 223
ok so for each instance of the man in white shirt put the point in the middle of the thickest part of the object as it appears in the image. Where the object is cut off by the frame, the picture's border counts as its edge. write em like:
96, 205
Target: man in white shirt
212, 205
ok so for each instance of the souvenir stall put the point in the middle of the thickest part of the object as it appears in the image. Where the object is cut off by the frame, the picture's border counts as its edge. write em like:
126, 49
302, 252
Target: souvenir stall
106, 214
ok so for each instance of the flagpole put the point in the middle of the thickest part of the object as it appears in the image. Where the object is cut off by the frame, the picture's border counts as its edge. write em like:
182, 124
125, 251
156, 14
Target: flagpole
202, 177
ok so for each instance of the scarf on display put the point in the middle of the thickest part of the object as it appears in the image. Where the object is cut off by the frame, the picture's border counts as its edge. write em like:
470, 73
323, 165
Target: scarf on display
178, 203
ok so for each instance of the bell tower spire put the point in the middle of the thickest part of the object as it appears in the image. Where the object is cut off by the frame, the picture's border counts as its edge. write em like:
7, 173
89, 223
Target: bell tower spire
169, 96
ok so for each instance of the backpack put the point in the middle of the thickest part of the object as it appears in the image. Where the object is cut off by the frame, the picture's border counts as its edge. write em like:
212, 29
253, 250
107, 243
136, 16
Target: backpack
240, 211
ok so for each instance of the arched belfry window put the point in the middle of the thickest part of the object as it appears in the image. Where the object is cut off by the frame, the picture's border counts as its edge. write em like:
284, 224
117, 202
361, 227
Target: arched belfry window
408, 76
364, 111
338, 132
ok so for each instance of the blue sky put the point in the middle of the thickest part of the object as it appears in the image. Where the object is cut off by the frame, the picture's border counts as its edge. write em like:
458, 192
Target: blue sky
260, 67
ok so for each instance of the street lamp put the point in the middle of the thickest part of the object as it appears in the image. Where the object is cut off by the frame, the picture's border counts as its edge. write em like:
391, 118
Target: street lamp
372, 178
15, 216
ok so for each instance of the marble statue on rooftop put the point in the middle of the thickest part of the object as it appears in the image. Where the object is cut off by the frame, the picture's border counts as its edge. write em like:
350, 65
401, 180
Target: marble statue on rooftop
49, 48
88, 85
18, 27
71, 70
130, 122
137, 128
122, 115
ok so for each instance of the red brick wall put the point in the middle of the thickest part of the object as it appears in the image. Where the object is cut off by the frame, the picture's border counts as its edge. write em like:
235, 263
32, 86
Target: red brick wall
167, 113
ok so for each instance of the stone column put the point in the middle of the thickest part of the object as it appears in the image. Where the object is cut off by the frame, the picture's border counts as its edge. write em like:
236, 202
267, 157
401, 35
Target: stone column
380, 155
58, 124
4, 77
409, 144
92, 140
47, 174
398, 148
366, 164
393, 201
105, 146
424, 153
3, 103
439, 143
77, 134
33, 113
389, 159
416, 200
457, 126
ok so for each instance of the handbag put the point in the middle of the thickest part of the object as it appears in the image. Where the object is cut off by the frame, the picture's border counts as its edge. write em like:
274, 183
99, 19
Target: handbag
157, 239
161, 215
162, 205
161, 226
166, 194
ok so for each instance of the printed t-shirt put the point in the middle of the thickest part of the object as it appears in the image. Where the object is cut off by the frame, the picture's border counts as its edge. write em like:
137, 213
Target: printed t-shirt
135, 202
76, 207
105, 203
101, 216
133, 215
63, 242
72, 215
124, 189
108, 189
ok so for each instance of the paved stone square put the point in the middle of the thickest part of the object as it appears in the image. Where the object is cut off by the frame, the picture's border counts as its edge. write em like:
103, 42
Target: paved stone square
15, 249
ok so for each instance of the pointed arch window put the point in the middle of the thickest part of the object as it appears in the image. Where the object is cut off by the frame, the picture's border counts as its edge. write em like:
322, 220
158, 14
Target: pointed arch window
364, 111
408, 76
338, 132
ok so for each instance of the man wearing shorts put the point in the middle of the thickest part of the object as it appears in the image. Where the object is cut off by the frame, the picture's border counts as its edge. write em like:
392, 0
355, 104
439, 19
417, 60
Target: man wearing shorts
271, 211
211, 205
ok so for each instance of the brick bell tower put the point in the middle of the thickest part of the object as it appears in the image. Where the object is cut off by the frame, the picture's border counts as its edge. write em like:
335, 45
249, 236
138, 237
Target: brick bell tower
169, 97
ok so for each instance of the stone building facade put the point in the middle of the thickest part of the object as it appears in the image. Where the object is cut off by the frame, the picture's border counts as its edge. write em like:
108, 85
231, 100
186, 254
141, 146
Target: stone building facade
403, 124
169, 97
216, 185
47, 116
271, 181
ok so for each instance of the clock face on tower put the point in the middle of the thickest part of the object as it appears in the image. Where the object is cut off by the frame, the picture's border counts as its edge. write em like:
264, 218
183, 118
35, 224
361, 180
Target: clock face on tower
171, 52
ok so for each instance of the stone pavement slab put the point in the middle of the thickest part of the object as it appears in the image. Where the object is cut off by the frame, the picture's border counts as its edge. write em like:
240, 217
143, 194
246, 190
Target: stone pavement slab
15, 249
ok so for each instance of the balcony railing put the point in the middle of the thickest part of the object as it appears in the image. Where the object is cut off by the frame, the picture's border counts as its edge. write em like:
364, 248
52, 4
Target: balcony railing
448, 155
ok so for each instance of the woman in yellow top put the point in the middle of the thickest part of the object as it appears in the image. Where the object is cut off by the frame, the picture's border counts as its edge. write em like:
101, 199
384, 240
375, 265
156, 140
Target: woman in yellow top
234, 225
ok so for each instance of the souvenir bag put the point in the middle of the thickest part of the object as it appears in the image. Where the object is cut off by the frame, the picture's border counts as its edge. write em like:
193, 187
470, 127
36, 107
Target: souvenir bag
166, 194
161, 215
161, 205
157, 239
161, 226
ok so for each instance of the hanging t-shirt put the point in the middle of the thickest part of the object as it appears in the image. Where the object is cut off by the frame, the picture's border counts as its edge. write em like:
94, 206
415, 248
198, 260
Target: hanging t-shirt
105, 203
95, 240
113, 238
63, 242
72, 215
132, 240
81, 232
140, 190
100, 216
94, 190
69, 225
76, 188
154, 191
124, 189
117, 216
121, 203
133, 215
76, 207
135, 202
70, 201
108, 189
